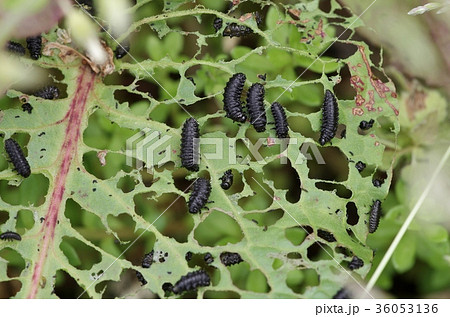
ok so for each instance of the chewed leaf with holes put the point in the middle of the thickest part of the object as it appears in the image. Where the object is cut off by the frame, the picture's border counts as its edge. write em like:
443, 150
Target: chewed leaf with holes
107, 186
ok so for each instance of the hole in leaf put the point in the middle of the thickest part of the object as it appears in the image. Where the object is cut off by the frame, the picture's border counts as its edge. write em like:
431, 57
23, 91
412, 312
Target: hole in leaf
299, 280
125, 78
352, 213
265, 219
263, 194
340, 50
339, 190
290, 180
25, 221
218, 229
66, 286
341, 132
325, 6
123, 225
147, 178
151, 89
9, 288
127, 284
4, 216
79, 254
16, 263
180, 181
226, 126
123, 96
343, 89
221, 295
244, 278
114, 164
335, 167
199, 260
319, 251
127, 183
277, 263
343, 250
294, 255
296, 235
30, 192
344, 12
102, 133
167, 113
175, 222
307, 73
302, 126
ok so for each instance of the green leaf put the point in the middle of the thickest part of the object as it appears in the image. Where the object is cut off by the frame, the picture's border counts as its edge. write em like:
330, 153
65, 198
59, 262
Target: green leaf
405, 254
107, 185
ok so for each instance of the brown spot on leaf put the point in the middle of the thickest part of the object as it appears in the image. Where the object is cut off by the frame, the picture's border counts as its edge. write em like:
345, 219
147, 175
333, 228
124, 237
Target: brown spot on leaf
357, 83
357, 111
294, 13
377, 84
359, 100
319, 30
245, 17
371, 102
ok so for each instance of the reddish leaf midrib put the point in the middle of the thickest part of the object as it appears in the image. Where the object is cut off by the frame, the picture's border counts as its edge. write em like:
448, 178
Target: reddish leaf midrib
74, 117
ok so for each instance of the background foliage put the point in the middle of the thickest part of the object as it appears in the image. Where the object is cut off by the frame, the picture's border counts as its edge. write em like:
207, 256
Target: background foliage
271, 221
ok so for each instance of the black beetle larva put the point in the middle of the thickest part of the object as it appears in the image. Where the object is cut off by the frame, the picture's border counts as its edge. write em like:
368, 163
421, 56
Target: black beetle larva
330, 118
17, 158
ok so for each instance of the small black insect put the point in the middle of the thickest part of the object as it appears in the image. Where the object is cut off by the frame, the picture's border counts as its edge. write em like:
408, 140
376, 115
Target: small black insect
189, 144
10, 236
236, 30
217, 24
147, 261
15, 48
34, 45
255, 105
360, 166
141, 278
208, 258
366, 125
281, 124
377, 182
356, 263
330, 118
230, 258
199, 196
263, 77
188, 256
342, 294
49, 92
343, 134
26, 107
122, 50
227, 179
375, 214
232, 98
191, 281
17, 158
327, 236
